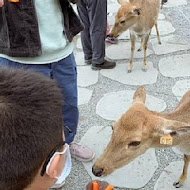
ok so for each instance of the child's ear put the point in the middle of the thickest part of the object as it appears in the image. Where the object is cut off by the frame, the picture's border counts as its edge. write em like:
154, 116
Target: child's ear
53, 168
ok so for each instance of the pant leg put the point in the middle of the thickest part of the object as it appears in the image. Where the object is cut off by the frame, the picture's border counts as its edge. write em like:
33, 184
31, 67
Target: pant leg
85, 34
64, 71
97, 11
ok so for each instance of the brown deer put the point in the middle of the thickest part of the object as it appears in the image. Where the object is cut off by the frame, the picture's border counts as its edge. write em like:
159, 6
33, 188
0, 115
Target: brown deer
139, 129
139, 16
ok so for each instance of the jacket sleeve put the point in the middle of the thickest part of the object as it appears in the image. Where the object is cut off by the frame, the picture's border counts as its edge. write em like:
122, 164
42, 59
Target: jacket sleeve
72, 22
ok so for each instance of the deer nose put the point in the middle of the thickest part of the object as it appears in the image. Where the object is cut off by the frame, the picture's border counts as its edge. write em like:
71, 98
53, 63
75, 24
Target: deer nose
97, 172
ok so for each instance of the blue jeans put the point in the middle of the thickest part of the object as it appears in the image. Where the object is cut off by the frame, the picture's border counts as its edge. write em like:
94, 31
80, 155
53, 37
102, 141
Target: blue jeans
65, 73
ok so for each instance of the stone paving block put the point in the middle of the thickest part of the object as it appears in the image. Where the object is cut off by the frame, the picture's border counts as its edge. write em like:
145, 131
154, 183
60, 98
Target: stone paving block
161, 16
175, 3
112, 105
79, 57
171, 174
79, 44
111, 19
175, 66
136, 77
169, 44
86, 76
122, 50
180, 88
141, 169
113, 7
164, 28
84, 96
176, 151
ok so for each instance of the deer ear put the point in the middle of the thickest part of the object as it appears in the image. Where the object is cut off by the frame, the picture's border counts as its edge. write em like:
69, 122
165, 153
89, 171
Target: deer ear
176, 128
136, 11
140, 95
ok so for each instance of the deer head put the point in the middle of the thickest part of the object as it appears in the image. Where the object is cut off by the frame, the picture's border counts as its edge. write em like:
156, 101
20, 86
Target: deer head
134, 132
126, 17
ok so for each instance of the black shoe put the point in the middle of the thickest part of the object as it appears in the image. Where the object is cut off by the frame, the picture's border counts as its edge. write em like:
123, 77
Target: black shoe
105, 65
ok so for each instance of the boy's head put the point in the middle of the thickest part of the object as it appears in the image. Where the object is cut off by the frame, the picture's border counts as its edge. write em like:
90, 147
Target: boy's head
30, 128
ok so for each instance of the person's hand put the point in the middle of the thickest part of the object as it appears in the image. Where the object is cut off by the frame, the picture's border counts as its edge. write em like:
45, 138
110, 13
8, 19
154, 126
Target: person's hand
1, 3
102, 185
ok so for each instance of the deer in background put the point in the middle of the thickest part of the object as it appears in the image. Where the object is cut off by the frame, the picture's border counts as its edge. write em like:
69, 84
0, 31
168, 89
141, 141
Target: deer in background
139, 16
139, 129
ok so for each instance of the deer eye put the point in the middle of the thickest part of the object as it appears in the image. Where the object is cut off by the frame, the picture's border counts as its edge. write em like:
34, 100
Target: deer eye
134, 143
122, 22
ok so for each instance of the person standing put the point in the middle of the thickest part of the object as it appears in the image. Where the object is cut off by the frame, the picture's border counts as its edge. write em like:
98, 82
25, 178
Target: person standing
38, 35
93, 14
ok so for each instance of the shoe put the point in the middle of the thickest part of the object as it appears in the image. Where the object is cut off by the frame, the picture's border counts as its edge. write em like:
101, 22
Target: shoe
81, 152
88, 62
111, 39
105, 65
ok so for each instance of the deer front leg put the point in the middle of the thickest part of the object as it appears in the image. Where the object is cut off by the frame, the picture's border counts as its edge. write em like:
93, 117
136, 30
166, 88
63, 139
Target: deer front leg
183, 176
145, 42
133, 39
141, 45
157, 33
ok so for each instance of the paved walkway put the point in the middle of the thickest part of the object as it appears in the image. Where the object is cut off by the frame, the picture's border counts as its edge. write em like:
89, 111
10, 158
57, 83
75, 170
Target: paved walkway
105, 95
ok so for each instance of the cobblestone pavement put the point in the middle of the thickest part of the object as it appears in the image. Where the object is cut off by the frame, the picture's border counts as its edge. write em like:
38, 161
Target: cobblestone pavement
105, 95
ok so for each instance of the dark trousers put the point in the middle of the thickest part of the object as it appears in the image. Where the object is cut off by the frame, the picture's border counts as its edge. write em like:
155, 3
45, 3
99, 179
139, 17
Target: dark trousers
65, 73
93, 14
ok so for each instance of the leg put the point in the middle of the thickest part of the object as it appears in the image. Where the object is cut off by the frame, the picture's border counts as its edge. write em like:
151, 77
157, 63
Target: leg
141, 45
157, 33
183, 176
85, 34
133, 39
98, 9
64, 72
144, 68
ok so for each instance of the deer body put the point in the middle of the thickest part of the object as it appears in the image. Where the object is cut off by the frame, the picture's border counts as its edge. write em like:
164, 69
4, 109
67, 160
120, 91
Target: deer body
139, 16
139, 129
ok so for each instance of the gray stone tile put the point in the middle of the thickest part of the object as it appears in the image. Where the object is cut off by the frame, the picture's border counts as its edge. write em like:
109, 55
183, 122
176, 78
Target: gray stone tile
176, 151
121, 101
175, 66
141, 169
161, 16
111, 19
175, 3
164, 28
180, 88
86, 76
84, 96
79, 57
122, 50
171, 174
169, 44
79, 44
136, 77
113, 7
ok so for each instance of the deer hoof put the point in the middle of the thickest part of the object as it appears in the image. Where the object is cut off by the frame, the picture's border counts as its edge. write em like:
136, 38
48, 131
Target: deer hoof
139, 49
129, 70
177, 184
144, 69
159, 43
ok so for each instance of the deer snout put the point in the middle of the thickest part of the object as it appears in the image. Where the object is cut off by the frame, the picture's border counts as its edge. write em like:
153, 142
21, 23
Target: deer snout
97, 171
